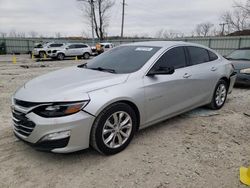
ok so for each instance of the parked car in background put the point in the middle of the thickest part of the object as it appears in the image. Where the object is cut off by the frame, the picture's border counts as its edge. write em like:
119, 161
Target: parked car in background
106, 46
70, 50
41, 48
101, 47
104, 102
240, 58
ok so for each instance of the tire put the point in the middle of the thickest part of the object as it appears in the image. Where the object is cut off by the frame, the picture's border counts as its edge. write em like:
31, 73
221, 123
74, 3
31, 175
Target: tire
60, 56
219, 96
86, 55
117, 136
41, 54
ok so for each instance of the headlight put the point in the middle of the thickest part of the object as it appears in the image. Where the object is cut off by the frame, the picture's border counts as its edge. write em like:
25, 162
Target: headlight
60, 109
245, 71
54, 51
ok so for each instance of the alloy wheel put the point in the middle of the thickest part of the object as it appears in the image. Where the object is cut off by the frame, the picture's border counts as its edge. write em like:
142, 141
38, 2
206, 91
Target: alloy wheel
117, 129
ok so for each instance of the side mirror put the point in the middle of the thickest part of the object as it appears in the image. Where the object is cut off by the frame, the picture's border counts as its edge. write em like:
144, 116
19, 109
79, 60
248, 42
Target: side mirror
161, 71
66, 48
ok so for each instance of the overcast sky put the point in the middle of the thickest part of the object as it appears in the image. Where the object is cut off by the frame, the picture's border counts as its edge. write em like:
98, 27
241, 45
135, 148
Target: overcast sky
143, 17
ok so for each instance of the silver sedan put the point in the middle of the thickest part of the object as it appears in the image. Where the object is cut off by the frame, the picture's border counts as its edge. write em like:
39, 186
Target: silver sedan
103, 103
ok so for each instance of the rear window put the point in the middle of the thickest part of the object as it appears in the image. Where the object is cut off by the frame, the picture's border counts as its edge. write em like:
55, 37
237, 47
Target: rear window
198, 55
212, 56
124, 59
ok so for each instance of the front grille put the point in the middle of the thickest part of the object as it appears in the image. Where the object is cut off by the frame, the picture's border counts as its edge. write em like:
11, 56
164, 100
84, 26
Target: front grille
49, 52
22, 124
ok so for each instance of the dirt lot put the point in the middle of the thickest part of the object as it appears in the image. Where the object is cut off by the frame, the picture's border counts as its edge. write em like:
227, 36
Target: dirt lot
201, 148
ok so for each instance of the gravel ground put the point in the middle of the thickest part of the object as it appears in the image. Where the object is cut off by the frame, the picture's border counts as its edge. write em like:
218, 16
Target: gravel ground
201, 148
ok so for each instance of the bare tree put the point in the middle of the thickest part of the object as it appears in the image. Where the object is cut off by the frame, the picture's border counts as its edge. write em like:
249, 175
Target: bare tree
58, 35
3, 34
243, 6
99, 13
159, 34
239, 18
13, 33
203, 29
33, 34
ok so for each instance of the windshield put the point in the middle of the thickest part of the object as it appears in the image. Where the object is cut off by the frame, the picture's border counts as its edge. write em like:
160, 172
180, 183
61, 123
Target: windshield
243, 54
123, 59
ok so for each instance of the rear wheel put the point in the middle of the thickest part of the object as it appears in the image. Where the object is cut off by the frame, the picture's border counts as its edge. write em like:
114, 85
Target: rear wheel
220, 95
86, 55
113, 129
60, 56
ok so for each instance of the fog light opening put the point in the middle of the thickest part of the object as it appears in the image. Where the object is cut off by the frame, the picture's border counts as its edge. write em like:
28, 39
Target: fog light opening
56, 136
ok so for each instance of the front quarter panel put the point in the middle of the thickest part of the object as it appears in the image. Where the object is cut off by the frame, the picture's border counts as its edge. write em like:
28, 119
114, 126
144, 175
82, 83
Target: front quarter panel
131, 91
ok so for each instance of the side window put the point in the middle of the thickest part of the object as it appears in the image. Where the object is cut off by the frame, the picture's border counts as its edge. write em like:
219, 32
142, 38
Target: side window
107, 46
72, 46
83, 46
212, 56
172, 58
198, 55
56, 45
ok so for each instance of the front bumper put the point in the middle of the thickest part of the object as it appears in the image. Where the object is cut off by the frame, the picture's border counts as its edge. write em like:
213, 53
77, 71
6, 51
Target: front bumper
242, 79
51, 54
78, 124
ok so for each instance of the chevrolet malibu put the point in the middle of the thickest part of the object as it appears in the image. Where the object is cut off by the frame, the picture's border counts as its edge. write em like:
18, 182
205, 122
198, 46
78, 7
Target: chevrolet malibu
104, 102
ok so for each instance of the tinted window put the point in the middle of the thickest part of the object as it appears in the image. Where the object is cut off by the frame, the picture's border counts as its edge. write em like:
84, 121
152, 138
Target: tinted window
173, 58
81, 46
212, 56
56, 45
198, 55
72, 46
124, 59
106, 46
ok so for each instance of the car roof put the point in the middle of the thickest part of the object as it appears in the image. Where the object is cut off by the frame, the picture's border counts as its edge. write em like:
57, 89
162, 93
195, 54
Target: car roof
164, 44
76, 43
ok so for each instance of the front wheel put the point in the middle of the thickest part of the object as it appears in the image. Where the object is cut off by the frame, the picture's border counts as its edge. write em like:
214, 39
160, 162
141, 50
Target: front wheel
220, 95
86, 55
113, 129
60, 56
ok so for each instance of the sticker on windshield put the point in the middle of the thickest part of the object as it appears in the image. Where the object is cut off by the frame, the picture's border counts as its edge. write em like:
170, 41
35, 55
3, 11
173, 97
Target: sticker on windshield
144, 49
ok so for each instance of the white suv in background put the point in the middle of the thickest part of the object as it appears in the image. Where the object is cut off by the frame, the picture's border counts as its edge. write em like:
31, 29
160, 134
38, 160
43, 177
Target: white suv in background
40, 49
70, 50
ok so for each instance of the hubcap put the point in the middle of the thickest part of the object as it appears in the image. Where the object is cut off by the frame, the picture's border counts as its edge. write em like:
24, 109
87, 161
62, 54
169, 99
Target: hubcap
220, 96
60, 56
86, 56
117, 129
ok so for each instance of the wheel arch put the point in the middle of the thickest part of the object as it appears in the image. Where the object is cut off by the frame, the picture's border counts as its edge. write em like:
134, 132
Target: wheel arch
226, 80
125, 101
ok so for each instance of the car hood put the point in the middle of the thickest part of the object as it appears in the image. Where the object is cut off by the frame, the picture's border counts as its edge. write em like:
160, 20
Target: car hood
69, 84
238, 65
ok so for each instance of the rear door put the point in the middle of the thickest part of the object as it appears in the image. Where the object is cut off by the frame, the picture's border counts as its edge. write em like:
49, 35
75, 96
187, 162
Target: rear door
166, 95
82, 48
71, 50
203, 71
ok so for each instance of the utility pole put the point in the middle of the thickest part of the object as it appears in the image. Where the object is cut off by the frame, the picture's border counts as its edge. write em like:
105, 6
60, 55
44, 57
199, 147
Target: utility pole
92, 21
223, 27
123, 12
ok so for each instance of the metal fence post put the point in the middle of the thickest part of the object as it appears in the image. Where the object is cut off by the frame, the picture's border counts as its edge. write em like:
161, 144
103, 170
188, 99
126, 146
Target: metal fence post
239, 43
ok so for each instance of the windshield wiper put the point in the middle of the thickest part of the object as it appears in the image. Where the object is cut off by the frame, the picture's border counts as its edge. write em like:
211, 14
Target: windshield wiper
103, 69
82, 65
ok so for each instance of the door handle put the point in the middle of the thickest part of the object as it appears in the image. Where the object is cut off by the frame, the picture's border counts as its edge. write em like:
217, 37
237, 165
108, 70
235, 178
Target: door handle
186, 75
213, 69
